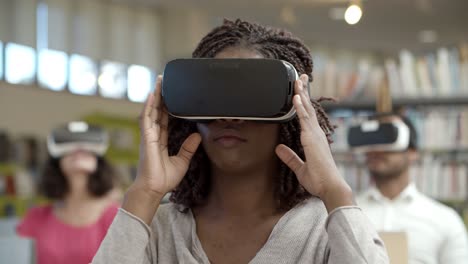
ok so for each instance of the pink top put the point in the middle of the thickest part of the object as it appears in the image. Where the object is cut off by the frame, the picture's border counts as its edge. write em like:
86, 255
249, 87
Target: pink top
58, 242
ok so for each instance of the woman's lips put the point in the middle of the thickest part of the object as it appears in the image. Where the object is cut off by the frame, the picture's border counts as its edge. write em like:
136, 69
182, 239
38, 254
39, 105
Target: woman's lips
229, 139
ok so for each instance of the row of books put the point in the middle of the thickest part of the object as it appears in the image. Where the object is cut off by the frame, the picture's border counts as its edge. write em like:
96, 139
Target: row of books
345, 76
439, 129
434, 176
443, 73
442, 179
26, 151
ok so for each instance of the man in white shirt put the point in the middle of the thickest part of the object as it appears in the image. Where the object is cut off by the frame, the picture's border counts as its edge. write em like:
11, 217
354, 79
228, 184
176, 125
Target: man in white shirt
435, 232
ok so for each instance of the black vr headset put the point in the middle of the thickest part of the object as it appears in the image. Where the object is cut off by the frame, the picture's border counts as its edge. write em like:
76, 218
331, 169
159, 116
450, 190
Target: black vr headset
77, 136
375, 135
248, 89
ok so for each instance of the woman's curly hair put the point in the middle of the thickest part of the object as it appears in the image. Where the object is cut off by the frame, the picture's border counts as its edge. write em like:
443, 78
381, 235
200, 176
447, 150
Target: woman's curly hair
54, 185
271, 43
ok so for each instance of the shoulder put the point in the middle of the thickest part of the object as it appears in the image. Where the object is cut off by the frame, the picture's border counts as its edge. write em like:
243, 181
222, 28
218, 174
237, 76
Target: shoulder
309, 211
367, 197
443, 212
312, 203
109, 213
33, 219
443, 218
112, 209
304, 224
38, 212
362, 196
169, 212
171, 221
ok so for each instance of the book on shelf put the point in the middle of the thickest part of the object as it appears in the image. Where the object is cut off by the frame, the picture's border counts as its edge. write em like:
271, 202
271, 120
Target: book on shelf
464, 67
409, 87
426, 85
443, 72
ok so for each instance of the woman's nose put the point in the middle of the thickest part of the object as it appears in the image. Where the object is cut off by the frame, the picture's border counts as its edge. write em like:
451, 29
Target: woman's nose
230, 121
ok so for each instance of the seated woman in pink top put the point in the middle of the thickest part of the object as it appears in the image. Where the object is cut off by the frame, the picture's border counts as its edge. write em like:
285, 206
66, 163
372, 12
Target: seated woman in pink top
79, 181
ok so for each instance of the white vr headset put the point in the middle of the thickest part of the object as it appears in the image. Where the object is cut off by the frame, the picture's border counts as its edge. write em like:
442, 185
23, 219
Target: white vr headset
77, 136
375, 135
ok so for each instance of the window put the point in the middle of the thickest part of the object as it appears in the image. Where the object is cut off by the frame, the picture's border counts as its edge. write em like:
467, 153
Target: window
83, 75
140, 83
20, 64
52, 72
1, 60
113, 80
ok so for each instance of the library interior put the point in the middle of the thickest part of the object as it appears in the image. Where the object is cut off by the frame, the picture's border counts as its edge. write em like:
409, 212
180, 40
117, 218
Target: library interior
75, 77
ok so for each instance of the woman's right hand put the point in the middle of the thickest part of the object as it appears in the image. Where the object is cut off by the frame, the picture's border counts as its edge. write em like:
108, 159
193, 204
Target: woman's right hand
158, 173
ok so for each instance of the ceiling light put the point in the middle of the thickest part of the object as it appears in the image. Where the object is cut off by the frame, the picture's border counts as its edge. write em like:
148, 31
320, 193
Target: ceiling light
353, 13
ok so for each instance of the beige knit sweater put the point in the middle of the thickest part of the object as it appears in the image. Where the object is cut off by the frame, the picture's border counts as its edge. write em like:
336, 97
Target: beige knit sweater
305, 234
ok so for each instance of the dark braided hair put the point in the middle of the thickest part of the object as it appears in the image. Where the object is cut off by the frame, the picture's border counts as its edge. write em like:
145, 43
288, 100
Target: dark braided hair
271, 43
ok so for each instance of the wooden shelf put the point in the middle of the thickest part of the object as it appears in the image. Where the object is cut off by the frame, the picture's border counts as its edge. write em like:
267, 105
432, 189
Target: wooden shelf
413, 102
441, 151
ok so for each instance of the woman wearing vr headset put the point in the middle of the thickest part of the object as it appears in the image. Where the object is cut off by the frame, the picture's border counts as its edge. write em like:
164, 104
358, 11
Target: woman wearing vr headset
242, 191
78, 181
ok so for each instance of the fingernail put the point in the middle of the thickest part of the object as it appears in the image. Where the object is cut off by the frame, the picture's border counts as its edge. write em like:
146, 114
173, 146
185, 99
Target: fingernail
298, 99
300, 85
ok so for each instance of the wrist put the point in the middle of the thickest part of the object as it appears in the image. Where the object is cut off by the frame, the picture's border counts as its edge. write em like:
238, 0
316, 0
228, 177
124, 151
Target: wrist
141, 189
141, 203
338, 195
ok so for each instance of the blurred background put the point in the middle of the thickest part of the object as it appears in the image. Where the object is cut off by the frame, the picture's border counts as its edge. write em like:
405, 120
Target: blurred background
96, 60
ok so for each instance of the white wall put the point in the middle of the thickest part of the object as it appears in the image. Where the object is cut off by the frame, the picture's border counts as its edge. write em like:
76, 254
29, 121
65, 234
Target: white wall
17, 21
32, 110
182, 29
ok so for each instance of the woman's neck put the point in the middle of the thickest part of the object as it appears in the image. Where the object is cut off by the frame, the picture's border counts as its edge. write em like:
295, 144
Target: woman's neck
78, 193
242, 193
79, 207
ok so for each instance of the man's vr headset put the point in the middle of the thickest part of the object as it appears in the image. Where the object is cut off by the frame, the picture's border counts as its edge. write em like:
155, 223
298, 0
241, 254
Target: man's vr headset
249, 89
375, 135
77, 136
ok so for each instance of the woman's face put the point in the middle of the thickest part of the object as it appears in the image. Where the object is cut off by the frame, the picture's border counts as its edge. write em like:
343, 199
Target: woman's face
78, 162
238, 145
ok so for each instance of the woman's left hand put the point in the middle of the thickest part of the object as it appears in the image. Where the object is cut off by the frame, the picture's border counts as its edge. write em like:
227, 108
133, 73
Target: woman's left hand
318, 174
